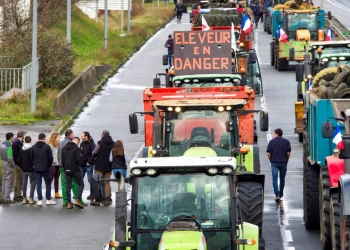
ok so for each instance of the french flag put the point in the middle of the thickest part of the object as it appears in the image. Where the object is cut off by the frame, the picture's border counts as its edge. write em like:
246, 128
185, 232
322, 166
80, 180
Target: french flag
310, 84
337, 140
282, 36
329, 35
247, 25
205, 26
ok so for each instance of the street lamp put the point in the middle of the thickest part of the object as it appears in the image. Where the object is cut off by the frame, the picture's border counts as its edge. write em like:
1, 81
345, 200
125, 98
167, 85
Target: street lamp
33, 77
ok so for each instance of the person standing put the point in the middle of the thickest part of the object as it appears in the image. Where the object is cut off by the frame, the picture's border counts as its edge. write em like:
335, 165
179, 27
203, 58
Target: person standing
54, 142
70, 161
42, 159
169, 44
178, 8
262, 3
69, 135
27, 171
87, 162
103, 166
278, 151
8, 166
119, 159
17, 144
256, 12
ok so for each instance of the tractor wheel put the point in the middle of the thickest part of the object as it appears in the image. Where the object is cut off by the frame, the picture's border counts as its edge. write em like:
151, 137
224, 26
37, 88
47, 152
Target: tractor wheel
327, 74
265, 23
324, 199
268, 22
282, 64
311, 197
301, 137
251, 200
335, 221
305, 148
276, 54
261, 244
345, 229
272, 54
344, 94
341, 87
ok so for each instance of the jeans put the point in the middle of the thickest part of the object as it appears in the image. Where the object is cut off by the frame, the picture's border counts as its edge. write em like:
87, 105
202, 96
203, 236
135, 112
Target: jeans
170, 58
89, 170
55, 176
179, 15
25, 176
79, 180
39, 175
280, 168
120, 170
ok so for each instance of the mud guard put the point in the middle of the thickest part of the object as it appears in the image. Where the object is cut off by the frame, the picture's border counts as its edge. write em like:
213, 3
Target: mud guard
250, 177
335, 169
344, 193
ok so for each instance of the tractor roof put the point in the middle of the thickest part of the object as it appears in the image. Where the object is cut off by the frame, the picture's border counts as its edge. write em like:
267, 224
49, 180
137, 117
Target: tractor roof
325, 44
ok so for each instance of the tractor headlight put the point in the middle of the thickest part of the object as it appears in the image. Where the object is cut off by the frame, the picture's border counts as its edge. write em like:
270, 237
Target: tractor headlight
136, 171
170, 109
177, 109
151, 171
221, 108
212, 170
227, 170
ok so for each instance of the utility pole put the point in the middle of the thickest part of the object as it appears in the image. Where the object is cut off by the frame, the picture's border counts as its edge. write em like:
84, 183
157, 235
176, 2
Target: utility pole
68, 22
322, 4
106, 23
34, 56
129, 14
96, 11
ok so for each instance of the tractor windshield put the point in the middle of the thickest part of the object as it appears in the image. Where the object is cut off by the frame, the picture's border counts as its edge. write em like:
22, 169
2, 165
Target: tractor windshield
203, 198
302, 21
193, 128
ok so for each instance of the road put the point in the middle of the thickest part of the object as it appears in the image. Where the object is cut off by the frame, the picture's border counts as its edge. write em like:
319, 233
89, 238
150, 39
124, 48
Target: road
55, 227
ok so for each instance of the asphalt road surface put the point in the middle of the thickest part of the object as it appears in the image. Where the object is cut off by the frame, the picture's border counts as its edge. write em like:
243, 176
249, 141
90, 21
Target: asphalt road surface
55, 227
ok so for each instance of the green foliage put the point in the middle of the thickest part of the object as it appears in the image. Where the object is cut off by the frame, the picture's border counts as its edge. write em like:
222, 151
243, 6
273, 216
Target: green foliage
0, 179
56, 58
148, 1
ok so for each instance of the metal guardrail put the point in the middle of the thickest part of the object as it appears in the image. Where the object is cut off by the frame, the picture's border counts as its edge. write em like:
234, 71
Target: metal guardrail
339, 29
17, 77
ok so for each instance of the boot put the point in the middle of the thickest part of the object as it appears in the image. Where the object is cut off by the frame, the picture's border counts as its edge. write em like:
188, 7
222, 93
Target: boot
69, 205
25, 200
78, 203
32, 201
58, 196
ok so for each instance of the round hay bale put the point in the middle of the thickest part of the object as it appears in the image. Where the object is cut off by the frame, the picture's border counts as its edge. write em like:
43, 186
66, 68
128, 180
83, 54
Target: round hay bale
326, 74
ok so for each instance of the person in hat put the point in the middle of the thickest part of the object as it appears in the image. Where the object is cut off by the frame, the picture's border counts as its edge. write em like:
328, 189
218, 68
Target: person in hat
17, 144
69, 135
103, 165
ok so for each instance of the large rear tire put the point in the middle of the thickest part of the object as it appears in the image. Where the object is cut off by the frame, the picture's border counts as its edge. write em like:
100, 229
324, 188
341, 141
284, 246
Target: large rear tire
311, 197
335, 221
345, 228
282, 64
325, 227
251, 200
272, 53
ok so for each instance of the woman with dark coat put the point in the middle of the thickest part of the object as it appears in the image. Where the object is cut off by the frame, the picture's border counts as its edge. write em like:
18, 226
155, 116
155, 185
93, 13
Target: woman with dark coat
119, 159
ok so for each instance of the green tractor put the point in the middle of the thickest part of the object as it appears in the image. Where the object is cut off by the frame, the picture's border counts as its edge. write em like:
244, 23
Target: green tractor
182, 203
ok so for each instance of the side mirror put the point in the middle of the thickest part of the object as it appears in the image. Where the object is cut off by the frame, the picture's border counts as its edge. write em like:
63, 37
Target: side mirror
99, 187
291, 54
252, 57
264, 121
299, 72
156, 82
133, 124
329, 15
327, 129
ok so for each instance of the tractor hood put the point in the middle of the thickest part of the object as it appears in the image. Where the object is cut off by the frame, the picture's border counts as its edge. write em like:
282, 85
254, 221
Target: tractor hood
179, 240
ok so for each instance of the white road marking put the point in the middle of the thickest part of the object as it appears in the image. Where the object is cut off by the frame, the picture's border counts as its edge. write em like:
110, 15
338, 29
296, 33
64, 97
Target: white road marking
126, 86
288, 234
339, 5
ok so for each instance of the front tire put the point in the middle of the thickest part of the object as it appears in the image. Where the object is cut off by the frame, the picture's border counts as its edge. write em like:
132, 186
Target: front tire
311, 197
335, 221
251, 200
272, 54
325, 228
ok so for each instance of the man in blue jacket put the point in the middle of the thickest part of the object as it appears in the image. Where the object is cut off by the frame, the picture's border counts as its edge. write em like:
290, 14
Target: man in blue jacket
278, 151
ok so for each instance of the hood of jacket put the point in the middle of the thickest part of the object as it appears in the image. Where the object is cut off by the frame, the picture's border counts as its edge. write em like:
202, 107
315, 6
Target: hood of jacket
70, 145
26, 146
107, 140
17, 140
39, 144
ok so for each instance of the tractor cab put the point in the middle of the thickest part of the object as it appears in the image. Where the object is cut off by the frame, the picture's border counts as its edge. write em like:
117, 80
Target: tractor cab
187, 203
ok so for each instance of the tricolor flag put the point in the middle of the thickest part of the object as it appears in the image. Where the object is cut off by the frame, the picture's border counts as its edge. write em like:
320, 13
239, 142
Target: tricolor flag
310, 84
282, 36
233, 37
247, 25
337, 140
205, 26
329, 34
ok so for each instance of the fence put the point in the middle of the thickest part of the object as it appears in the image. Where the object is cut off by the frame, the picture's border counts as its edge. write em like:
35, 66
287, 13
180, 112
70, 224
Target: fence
17, 77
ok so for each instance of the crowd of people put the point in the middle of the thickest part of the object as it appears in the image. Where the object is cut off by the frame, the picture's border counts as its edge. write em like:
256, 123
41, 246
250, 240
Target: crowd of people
68, 160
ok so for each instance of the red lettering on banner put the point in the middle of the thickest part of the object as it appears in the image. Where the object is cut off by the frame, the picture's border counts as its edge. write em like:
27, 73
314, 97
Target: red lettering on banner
195, 50
206, 50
